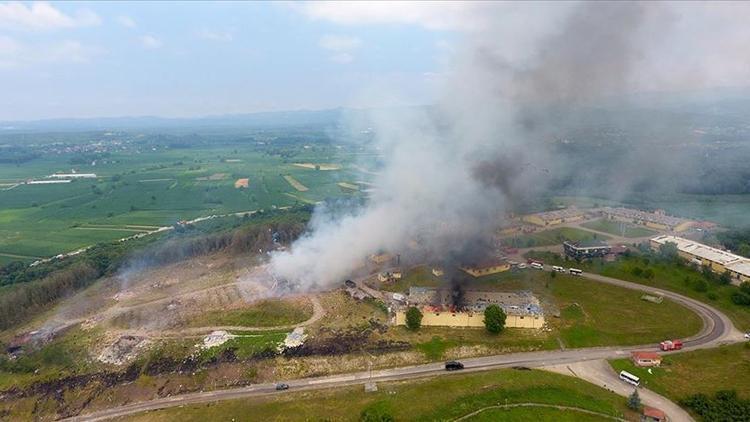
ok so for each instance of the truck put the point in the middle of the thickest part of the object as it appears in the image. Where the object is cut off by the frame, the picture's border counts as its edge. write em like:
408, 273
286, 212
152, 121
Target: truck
668, 345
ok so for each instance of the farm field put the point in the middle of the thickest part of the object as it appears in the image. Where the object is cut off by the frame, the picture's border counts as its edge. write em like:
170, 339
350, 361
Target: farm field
723, 368
438, 398
135, 191
552, 237
618, 229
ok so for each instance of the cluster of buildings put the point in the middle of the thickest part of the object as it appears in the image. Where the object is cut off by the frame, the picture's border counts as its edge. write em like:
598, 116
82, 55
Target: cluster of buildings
718, 260
656, 220
439, 307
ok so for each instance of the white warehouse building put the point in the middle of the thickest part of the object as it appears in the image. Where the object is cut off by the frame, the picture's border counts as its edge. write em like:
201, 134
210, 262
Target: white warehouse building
714, 258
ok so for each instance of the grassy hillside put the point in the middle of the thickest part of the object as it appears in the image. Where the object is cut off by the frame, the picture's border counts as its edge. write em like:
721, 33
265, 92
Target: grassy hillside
439, 398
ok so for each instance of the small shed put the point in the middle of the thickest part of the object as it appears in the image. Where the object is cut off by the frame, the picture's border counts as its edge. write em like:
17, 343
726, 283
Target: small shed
651, 414
646, 358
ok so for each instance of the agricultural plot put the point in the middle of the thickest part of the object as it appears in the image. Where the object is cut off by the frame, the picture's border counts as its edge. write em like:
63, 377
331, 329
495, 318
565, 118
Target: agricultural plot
154, 188
295, 183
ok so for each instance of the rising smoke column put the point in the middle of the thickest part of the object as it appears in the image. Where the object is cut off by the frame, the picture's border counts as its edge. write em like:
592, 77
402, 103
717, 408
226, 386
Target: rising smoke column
451, 172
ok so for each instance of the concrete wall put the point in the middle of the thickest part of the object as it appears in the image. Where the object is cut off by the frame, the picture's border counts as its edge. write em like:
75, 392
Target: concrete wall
470, 320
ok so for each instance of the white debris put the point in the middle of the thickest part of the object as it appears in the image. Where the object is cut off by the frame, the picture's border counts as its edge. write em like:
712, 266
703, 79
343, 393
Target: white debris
295, 339
123, 350
216, 338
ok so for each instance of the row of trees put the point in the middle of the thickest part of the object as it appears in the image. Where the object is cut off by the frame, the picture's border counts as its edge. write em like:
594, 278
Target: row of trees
494, 319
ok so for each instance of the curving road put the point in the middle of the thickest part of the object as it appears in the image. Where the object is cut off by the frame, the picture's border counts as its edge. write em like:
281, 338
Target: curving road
717, 329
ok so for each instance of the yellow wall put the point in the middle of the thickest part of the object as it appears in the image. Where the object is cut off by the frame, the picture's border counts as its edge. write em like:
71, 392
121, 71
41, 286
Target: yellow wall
657, 226
486, 271
470, 320
533, 219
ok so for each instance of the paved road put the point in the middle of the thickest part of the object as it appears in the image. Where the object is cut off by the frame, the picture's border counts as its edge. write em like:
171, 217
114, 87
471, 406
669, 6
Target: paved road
718, 329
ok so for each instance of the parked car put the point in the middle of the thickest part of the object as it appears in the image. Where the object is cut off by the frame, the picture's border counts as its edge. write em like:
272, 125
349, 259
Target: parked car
349, 283
282, 386
453, 365
747, 336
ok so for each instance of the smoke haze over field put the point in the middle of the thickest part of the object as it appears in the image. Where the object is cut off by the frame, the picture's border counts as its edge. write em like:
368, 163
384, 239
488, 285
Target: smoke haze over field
450, 173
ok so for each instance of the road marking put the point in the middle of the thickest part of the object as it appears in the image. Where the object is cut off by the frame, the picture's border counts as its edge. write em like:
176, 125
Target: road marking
337, 379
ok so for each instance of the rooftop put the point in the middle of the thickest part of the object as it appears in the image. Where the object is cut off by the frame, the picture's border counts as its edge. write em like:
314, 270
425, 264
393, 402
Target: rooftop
700, 250
646, 355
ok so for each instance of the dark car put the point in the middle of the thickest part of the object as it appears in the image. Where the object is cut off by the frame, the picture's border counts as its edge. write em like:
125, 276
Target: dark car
350, 283
453, 366
282, 386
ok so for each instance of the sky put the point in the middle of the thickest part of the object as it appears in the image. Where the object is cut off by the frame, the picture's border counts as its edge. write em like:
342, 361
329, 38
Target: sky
96, 59
191, 59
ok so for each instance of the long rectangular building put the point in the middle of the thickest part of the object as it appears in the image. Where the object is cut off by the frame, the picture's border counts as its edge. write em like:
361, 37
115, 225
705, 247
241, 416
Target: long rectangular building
714, 258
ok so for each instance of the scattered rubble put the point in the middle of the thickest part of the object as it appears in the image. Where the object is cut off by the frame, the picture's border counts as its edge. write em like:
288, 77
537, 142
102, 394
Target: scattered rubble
123, 350
294, 339
216, 338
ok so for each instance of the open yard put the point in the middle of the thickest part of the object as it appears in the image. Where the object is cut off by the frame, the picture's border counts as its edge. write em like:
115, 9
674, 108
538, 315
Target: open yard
552, 237
618, 228
438, 398
264, 313
700, 371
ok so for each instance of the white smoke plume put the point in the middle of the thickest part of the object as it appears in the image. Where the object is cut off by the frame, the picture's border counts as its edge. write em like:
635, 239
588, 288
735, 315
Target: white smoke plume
451, 172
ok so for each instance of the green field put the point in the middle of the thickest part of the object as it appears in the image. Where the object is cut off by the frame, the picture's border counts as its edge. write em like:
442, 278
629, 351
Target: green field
700, 371
154, 189
618, 229
265, 313
439, 398
553, 237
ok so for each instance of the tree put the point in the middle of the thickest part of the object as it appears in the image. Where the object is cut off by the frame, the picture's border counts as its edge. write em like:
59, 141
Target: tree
634, 401
413, 319
725, 278
669, 251
494, 319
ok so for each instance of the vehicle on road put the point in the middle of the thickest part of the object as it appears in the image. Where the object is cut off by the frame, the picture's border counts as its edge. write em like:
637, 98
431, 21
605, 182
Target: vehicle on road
537, 265
630, 378
349, 283
747, 336
522, 266
575, 271
668, 345
558, 269
453, 365
281, 386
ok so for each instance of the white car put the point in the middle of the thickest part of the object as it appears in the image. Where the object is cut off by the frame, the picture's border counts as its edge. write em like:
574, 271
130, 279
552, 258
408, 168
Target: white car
747, 336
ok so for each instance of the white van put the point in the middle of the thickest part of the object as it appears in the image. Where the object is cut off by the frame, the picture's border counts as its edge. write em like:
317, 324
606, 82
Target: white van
575, 271
558, 269
537, 265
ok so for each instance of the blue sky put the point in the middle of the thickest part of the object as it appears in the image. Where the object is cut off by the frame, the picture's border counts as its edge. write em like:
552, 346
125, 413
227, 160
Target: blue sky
189, 59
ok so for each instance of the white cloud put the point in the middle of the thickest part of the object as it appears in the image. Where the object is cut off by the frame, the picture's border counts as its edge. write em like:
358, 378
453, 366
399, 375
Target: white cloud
222, 36
40, 16
14, 54
341, 47
151, 42
431, 15
126, 21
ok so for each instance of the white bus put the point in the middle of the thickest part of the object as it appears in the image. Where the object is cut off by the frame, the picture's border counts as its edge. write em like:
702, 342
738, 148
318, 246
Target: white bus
558, 268
630, 378
575, 271
537, 265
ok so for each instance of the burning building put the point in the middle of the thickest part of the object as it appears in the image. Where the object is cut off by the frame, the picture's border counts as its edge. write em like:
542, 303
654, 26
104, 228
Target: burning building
456, 307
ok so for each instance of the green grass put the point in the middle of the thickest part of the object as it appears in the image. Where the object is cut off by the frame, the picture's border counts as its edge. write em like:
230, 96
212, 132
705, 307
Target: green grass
553, 237
418, 276
618, 229
438, 398
264, 313
435, 348
247, 344
41, 220
700, 371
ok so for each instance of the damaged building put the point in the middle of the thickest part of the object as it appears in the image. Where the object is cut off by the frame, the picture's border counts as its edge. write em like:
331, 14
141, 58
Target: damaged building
444, 307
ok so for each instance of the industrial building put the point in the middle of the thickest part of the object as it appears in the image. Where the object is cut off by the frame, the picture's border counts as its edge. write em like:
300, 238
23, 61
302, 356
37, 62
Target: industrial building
485, 268
656, 220
708, 256
553, 218
438, 308
586, 250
